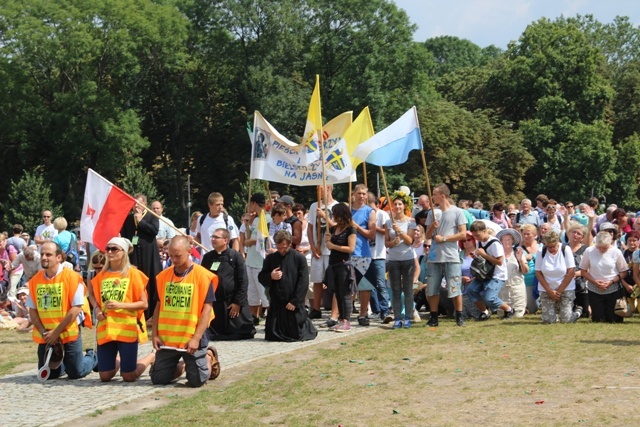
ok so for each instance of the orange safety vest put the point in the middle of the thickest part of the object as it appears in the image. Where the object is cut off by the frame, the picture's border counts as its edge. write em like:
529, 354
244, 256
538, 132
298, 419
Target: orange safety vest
181, 300
120, 325
53, 298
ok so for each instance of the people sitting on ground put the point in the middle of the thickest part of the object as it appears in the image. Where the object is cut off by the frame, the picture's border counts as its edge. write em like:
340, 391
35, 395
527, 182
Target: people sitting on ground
8, 254
20, 310
467, 247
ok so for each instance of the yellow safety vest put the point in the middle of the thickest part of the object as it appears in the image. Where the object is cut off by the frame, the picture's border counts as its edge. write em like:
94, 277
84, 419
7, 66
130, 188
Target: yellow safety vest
181, 300
120, 325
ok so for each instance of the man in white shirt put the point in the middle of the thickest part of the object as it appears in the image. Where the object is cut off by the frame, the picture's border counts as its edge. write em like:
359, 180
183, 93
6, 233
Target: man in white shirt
45, 231
216, 218
165, 230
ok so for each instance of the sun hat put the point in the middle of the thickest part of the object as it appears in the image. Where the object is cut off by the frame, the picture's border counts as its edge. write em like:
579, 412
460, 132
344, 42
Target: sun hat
517, 237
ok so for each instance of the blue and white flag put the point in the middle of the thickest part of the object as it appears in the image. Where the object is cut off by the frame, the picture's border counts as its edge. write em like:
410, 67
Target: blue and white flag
391, 146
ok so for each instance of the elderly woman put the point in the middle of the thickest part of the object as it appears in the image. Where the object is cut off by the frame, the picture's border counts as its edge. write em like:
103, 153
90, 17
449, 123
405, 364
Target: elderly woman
499, 217
530, 247
579, 241
603, 267
467, 247
555, 268
514, 291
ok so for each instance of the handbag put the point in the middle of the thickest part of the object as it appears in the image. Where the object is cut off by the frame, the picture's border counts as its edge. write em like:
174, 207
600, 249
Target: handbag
622, 307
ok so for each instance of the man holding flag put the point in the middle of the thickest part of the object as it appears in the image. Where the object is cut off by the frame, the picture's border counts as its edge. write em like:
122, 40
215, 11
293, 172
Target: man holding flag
256, 231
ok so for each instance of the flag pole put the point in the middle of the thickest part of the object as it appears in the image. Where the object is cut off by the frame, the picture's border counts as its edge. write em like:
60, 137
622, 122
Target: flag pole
266, 186
364, 173
386, 191
319, 220
324, 175
249, 196
424, 164
350, 192
169, 224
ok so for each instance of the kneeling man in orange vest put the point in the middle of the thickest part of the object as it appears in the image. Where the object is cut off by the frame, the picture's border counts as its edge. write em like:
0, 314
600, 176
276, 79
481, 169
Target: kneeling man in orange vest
186, 293
55, 302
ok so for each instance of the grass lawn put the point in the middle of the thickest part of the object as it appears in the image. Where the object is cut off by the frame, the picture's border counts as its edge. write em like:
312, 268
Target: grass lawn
516, 372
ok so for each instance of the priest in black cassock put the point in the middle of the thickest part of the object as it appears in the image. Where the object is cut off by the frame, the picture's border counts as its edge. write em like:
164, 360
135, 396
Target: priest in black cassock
233, 319
286, 275
141, 228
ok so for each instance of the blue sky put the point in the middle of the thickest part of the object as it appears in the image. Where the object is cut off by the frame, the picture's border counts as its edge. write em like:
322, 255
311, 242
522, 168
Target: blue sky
497, 22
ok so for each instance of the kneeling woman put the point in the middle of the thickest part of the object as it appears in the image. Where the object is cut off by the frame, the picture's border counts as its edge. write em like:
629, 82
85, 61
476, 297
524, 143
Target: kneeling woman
119, 296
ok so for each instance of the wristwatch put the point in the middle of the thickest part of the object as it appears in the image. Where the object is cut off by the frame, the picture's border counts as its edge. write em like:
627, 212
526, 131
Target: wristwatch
444, 238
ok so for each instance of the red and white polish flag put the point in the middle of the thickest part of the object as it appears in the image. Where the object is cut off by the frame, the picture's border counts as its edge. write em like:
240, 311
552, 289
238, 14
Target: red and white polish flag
104, 211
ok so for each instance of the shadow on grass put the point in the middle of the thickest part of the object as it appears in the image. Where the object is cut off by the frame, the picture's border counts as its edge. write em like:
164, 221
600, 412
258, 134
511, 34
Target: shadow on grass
619, 343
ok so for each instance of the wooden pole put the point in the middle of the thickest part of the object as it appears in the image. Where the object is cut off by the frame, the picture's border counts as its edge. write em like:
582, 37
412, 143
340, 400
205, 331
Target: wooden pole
364, 174
350, 190
426, 177
266, 186
169, 224
386, 192
319, 221
324, 175
249, 196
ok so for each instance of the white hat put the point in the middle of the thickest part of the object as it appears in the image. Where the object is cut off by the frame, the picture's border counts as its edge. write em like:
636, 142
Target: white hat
125, 244
23, 290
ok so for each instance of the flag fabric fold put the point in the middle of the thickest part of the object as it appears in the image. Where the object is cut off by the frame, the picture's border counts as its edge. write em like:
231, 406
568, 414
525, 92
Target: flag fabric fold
313, 127
104, 210
391, 146
360, 130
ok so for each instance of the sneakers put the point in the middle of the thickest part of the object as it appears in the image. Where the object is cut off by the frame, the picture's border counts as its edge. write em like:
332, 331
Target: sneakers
363, 321
509, 314
433, 321
397, 324
407, 323
329, 323
416, 317
577, 313
483, 316
344, 326
256, 320
387, 319
459, 319
315, 314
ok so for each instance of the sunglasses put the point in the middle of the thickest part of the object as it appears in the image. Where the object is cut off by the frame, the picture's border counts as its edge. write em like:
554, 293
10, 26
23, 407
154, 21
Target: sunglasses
112, 249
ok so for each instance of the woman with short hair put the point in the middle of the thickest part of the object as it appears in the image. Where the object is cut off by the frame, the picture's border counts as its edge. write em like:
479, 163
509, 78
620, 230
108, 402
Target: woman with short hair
555, 268
530, 247
603, 266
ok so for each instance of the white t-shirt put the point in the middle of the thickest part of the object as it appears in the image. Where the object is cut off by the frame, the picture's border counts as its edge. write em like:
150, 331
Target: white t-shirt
378, 250
164, 230
496, 250
47, 232
603, 266
554, 267
312, 222
212, 224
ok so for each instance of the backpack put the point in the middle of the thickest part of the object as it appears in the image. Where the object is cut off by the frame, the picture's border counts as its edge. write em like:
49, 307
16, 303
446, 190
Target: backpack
225, 218
562, 248
480, 268
72, 253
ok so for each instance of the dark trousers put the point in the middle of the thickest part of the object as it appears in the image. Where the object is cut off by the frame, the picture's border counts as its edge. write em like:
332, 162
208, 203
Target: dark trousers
603, 307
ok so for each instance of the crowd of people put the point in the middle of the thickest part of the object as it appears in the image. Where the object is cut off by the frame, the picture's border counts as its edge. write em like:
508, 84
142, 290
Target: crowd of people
381, 258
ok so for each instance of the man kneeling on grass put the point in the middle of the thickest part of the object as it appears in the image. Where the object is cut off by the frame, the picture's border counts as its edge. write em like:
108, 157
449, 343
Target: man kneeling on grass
489, 248
181, 317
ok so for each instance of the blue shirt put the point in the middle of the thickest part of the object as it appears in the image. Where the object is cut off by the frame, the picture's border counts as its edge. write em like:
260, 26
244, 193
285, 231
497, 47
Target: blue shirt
361, 217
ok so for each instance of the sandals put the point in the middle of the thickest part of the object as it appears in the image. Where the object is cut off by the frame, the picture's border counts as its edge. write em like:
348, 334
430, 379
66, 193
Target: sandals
215, 363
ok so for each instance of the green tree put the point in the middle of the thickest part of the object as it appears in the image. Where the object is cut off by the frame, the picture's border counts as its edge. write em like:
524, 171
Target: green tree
474, 156
136, 180
27, 198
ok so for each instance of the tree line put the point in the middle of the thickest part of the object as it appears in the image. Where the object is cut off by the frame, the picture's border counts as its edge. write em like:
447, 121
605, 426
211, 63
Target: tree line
150, 92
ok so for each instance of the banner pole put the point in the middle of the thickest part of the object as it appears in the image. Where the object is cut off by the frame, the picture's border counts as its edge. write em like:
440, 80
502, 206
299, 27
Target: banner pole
364, 173
426, 176
319, 220
386, 191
